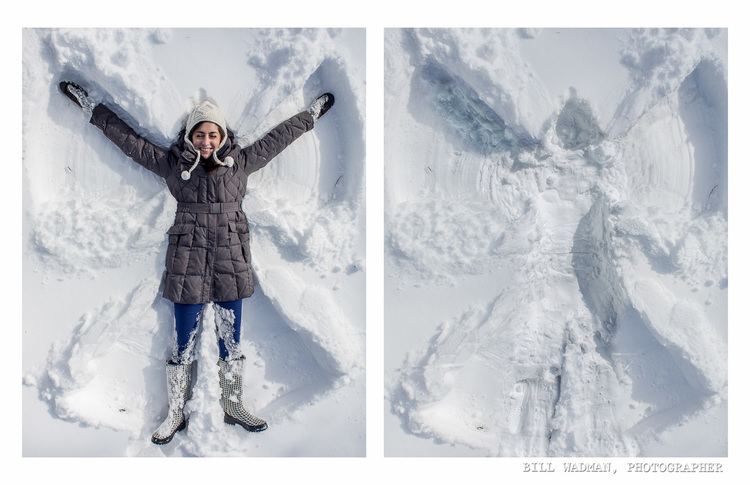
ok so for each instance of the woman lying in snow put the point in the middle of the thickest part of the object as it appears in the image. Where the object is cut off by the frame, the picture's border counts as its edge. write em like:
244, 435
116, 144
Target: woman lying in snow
208, 257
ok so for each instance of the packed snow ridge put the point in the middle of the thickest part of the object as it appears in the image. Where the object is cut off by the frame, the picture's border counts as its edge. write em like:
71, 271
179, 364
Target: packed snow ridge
605, 244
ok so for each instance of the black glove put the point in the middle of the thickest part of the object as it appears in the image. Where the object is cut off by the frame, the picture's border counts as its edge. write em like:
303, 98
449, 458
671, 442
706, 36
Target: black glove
322, 104
78, 95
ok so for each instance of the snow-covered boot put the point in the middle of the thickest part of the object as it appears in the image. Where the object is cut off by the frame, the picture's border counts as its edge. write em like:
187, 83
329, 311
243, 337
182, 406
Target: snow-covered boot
230, 380
178, 386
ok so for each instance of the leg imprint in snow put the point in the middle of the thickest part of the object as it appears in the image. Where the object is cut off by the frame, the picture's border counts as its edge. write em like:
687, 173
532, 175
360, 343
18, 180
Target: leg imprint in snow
312, 313
484, 380
632, 313
96, 377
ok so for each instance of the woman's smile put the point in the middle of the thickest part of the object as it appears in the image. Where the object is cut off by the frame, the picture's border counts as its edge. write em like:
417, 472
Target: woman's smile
206, 138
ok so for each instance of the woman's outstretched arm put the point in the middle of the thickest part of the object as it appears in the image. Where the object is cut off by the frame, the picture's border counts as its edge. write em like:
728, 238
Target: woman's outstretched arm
135, 146
257, 155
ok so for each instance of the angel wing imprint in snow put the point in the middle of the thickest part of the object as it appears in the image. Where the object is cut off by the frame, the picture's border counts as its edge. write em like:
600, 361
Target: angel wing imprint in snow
473, 122
607, 254
301, 344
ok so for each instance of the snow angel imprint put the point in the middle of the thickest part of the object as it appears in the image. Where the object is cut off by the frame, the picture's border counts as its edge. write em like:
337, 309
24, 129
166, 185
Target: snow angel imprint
208, 257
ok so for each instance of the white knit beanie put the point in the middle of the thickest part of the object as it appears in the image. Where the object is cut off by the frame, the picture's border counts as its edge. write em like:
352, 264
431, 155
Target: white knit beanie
206, 111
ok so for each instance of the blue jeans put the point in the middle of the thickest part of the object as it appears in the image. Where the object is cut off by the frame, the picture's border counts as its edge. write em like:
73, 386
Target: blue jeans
187, 318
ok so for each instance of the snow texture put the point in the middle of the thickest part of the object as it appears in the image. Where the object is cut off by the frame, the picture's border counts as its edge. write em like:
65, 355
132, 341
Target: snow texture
556, 277
94, 233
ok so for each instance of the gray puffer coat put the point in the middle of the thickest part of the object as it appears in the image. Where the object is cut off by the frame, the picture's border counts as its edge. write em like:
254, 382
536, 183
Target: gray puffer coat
208, 257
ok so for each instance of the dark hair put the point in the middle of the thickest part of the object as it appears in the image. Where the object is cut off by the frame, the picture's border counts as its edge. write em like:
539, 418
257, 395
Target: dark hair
179, 139
190, 135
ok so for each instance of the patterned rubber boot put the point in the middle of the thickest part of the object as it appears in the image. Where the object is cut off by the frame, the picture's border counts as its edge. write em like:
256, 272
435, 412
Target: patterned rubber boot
178, 385
230, 380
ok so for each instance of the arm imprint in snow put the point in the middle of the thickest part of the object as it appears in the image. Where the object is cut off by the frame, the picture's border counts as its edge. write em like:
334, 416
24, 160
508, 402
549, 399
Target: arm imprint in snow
257, 155
141, 150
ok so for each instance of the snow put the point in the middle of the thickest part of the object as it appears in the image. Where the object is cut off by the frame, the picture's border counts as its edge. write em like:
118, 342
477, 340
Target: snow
556, 242
696, 436
94, 242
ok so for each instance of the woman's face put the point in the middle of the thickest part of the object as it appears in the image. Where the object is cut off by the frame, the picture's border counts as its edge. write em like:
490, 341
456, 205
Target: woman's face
206, 138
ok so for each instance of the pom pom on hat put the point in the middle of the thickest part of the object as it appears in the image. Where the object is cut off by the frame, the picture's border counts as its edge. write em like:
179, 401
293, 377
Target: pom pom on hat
185, 175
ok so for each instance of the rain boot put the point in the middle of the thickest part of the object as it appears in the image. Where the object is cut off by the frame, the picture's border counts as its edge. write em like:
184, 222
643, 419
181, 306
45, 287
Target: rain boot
178, 385
230, 380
